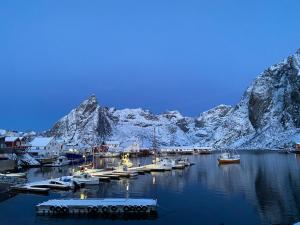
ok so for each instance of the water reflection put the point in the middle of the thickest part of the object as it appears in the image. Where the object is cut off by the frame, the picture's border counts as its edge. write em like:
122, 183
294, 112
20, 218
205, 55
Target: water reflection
271, 182
263, 189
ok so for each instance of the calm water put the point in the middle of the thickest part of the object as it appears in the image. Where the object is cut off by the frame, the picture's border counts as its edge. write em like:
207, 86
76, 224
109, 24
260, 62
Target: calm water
263, 189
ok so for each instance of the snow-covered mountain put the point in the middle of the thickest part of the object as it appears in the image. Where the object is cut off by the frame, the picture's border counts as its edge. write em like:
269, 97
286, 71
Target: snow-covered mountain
267, 116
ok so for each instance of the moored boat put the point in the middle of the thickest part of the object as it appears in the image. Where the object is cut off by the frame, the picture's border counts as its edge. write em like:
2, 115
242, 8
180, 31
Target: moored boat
60, 161
85, 179
228, 158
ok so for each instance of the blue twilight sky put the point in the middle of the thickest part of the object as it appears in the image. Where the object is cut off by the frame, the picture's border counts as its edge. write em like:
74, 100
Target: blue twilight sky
159, 54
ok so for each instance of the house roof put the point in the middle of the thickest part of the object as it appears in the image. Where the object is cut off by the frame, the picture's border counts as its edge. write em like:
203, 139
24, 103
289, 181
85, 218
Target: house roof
41, 141
11, 139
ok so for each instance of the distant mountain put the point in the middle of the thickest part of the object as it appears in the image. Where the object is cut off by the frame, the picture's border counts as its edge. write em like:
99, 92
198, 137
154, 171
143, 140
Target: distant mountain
267, 116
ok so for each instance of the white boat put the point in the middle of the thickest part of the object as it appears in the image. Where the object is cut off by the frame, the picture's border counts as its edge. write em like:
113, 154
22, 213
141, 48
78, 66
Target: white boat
85, 179
124, 171
15, 175
172, 163
184, 162
60, 161
227, 158
89, 170
159, 165
63, 183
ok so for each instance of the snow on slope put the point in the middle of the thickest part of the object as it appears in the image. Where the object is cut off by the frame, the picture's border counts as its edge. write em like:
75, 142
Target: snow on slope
268, 115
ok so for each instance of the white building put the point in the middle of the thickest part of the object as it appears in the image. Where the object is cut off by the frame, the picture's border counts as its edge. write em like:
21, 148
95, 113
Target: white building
177, 149
112, 144
44, 146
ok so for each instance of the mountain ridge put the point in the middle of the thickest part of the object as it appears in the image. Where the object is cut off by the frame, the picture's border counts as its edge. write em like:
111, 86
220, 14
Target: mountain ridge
267, 116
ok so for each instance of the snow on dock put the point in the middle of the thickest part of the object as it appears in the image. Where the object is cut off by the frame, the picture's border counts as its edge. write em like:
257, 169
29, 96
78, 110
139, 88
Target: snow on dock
106, 206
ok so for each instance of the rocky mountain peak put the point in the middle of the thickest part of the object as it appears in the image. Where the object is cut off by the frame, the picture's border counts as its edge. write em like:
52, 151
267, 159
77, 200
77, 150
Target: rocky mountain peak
267, 115
274, 97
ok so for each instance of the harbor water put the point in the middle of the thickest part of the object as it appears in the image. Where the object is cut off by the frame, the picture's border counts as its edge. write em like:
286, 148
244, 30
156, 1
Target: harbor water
263, 189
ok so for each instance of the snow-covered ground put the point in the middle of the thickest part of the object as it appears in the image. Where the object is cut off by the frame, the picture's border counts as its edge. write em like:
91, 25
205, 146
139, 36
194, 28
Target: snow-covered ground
267, 116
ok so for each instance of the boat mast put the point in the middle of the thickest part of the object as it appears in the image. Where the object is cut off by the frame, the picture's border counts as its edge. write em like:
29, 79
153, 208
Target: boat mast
154, 142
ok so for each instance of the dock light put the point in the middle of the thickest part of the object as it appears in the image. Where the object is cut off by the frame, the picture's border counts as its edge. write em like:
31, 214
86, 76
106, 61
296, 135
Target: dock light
83, 195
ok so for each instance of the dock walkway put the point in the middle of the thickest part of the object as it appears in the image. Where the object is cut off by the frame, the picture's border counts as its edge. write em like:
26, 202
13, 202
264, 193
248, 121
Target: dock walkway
106, 206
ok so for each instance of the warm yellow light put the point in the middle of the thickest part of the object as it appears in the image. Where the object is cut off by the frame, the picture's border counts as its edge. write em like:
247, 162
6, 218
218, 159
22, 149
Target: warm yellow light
83, 195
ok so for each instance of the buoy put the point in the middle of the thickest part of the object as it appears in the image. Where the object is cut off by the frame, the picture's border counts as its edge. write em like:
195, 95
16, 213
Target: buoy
113, 208
104, 209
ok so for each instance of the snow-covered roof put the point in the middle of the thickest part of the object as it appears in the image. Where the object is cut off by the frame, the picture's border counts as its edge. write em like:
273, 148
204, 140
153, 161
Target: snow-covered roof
97, 202
11, 139
41, 141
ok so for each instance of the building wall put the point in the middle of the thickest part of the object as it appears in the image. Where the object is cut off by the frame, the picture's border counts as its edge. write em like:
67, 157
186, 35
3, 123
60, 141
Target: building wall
53, 148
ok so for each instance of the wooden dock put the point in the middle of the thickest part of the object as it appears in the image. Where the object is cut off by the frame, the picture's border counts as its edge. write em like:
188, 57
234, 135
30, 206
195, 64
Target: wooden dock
108, 206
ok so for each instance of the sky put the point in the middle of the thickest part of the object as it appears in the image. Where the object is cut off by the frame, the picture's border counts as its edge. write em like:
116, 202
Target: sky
159, 55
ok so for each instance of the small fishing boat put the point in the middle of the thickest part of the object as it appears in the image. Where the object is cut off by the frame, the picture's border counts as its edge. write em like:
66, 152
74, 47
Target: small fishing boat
28, 189
124, 171
63, 183
15, 175
85, 179
159, 165
46, 159
184, 161
228, 158
60, 161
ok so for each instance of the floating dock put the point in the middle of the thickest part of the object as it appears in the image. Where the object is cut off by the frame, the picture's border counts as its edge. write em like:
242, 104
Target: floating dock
105, 207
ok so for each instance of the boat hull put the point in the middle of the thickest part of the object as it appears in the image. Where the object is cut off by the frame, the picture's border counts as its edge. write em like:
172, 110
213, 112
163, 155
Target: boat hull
228, 161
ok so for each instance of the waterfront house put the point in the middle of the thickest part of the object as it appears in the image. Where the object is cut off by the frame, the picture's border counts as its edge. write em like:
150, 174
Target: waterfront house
12, 142
44, 146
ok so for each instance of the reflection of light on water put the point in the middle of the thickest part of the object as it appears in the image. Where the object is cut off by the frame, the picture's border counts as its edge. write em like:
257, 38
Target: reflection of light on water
83, 195
153, 180
127, 187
